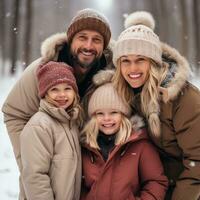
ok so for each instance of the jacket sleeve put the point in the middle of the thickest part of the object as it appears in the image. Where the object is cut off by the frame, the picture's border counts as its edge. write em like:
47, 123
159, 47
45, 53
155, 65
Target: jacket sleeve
21, 103
36, 154
187, 127
154, 183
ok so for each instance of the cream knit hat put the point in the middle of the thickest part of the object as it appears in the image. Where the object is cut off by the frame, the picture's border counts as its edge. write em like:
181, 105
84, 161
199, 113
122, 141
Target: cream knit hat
90, 19
106, 97
138, 38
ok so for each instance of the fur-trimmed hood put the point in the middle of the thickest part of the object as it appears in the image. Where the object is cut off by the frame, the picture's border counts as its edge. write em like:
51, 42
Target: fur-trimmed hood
178, 73
51, 47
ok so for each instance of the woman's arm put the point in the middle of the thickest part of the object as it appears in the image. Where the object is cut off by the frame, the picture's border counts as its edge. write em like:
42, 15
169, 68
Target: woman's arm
187, 126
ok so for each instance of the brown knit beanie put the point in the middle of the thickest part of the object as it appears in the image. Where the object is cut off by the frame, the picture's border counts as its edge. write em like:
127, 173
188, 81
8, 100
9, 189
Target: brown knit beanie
138, 38
53, 73
92, 20
106, 97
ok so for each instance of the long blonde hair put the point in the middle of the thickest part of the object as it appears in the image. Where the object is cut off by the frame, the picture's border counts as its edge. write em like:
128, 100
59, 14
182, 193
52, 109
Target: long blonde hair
91, 130
149, 94
76, 104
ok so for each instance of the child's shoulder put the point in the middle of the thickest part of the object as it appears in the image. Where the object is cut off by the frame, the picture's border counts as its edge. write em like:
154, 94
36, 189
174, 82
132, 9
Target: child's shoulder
40, 118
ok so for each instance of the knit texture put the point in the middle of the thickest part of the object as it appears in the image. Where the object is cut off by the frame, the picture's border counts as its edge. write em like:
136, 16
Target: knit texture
53, 73
106, 97
92, 20
139, 38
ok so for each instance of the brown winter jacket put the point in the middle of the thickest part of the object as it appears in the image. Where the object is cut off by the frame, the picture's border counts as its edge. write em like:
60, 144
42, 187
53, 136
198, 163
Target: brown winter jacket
50, 154
179, 144
133, 171
23, 100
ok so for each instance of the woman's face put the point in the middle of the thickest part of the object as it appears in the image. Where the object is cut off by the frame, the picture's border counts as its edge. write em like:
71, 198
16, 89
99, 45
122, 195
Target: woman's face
108, 121
135, 69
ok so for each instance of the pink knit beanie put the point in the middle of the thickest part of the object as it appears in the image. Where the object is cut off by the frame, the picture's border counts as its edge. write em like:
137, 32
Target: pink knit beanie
106, 97
138, 38
53, 73
92, 20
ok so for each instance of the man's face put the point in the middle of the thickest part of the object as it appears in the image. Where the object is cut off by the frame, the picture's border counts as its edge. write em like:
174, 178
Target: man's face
87, 47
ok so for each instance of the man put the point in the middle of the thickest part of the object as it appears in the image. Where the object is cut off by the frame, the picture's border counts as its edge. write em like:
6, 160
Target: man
84, 48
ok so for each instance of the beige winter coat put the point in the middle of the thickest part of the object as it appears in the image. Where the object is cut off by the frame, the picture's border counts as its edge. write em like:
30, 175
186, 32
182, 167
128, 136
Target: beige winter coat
50, 154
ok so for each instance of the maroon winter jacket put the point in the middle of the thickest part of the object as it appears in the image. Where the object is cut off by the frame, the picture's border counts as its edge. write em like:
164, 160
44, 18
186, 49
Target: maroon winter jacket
132, 171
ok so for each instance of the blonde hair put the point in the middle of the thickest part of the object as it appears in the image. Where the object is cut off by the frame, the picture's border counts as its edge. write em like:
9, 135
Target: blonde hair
76, 104
91, 130
71, 109
149, 94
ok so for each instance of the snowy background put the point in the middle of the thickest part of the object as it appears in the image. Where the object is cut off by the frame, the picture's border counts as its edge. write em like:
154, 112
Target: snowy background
8, 167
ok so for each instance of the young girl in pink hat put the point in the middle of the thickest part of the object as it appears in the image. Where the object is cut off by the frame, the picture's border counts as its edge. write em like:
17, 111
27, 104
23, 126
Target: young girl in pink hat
50, 151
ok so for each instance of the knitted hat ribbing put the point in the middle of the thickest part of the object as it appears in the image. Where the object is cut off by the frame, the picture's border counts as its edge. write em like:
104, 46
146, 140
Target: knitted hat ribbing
92, 20
106, 97
53, 73
138, 38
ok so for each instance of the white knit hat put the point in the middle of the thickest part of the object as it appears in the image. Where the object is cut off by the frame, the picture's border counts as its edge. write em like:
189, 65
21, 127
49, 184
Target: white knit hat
106, 97
138, 38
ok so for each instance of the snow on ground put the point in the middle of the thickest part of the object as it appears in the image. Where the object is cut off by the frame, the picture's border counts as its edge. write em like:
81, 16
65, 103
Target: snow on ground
8, 167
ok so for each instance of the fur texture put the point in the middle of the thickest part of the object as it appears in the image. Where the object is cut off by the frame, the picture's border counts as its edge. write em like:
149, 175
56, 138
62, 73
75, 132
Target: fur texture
182, 74
52, 45
137, 122
103, 76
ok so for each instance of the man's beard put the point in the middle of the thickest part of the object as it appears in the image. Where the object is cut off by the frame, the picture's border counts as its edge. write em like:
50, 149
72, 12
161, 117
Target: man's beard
83, 64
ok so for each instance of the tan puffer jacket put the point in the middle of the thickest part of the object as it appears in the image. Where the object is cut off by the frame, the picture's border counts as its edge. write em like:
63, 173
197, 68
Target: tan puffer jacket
50, 155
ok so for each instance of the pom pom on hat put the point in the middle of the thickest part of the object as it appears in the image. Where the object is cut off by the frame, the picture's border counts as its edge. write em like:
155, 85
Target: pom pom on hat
139, 18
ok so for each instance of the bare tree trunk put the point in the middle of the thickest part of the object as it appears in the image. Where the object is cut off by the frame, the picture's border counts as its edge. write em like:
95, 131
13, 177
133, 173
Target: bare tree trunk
185, 28
197, 31
2, 34
161, 24
28, 31
14, 34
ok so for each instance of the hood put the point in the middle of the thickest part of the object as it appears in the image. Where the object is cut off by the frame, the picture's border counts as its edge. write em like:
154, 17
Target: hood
178, 72
51, 47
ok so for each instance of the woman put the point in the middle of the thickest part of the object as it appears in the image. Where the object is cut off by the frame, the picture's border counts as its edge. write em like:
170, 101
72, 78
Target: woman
50, 151
153, 78
119, 162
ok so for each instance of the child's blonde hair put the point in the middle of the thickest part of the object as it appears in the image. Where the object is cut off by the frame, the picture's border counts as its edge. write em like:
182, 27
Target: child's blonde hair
91, 130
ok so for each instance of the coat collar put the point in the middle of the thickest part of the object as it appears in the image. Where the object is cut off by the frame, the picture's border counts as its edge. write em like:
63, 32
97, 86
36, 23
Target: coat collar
58, 113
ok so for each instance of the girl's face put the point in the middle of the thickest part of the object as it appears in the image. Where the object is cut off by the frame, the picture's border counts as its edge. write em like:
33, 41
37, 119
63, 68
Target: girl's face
63, 94
135, 69
108, 121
